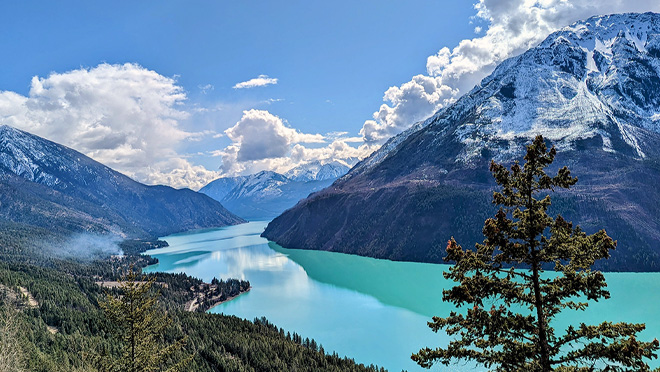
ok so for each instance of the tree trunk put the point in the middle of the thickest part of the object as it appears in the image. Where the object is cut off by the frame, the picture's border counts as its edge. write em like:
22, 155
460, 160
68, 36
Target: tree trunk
538, 298
542, 327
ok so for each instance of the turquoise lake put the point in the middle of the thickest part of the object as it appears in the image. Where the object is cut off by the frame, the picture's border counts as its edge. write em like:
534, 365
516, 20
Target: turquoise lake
374, 311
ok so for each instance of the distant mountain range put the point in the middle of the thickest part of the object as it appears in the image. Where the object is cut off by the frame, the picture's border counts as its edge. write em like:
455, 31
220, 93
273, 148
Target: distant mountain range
47, 185
592, 89
316, 171
266, 194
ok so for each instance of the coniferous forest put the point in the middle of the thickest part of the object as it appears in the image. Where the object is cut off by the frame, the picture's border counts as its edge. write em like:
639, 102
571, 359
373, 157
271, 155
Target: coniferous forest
51, 311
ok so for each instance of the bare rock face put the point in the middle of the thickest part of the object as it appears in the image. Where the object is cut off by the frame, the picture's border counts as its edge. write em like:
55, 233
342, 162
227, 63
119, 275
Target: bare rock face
592, 89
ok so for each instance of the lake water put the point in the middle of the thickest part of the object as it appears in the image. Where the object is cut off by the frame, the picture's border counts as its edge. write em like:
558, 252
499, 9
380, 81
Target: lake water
374, 311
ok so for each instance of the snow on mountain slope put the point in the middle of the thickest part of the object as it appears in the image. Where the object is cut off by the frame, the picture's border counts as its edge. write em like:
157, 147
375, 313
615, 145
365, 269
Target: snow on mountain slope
592, 89
266, 194
598, 78
218, 189
261, 185
316, 171
330, 171
35, 159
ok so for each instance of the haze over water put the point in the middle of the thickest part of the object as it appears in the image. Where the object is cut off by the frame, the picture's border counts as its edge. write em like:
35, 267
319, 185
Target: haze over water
372, 310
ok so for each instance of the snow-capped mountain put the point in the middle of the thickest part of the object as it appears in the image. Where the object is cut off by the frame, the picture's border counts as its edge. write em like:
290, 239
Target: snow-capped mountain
596, 79
265, 184
266, 194
592, 89
316, 171
48, 185
219, 188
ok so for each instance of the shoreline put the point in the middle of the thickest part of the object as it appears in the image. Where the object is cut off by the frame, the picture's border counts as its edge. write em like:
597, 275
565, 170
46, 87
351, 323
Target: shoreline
193, 304
228, 299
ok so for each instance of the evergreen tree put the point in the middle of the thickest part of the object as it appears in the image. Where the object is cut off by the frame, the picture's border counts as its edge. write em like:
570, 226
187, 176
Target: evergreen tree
11, 354
141, 323
507, 270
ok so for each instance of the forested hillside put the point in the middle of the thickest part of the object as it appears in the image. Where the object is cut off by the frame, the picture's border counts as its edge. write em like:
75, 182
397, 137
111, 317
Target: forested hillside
55, 305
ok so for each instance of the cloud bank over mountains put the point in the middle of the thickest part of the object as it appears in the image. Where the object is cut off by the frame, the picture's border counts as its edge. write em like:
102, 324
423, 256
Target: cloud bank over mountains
511, 28
130, 118
124, 116
138, 122
262, 141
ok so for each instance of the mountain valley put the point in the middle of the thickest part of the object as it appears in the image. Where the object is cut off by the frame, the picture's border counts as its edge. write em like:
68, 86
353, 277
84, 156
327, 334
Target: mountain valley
264, 195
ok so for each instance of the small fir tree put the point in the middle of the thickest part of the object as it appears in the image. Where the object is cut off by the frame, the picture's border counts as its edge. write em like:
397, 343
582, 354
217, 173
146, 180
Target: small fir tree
141, 323
507, 269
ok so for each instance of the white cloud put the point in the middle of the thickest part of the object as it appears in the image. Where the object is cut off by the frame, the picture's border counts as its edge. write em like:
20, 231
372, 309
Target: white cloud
262, 141
178, 173
260, 81
262, 135
337, 150
198, 136
512, 27
411, 102
124, 116
206, 88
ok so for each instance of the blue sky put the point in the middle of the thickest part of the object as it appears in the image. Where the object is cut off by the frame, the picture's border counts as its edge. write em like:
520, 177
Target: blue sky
149, 87
333, 60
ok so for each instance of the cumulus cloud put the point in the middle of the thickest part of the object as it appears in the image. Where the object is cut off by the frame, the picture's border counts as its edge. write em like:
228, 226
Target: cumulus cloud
411, 102
262, 141
262, 135
260, 81
178, 173
512, 27
124, 116
338, 150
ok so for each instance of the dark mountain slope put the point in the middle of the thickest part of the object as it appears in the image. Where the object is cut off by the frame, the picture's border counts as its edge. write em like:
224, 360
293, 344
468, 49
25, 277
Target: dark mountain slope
49, 185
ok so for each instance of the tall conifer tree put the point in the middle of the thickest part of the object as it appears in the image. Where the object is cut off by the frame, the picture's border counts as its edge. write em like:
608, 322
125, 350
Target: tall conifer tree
511, 303
141, 324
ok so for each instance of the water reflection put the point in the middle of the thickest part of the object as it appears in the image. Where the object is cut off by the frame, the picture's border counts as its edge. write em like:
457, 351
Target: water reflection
347, 316
245, 255
413, 286
373, 310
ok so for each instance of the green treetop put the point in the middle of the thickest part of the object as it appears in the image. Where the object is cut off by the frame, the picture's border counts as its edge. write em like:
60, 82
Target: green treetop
141, 323
507, 269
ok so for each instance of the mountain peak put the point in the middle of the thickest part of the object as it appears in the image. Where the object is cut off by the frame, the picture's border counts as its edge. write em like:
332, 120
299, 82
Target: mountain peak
317, 171
596, 79
592, 89
265, 194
